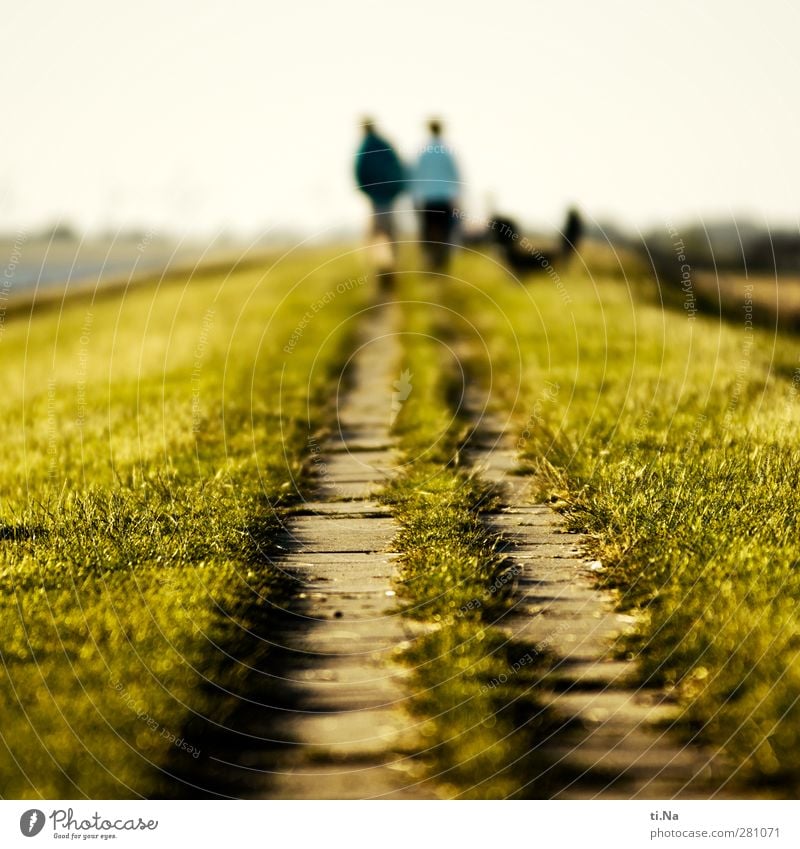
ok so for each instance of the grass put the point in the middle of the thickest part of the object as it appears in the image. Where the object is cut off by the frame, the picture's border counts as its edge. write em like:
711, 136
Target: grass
674, 443
152, 441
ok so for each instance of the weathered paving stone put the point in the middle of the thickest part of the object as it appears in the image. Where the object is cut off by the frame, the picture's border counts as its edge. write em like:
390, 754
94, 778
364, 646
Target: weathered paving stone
356, 444
360, 508
345, 535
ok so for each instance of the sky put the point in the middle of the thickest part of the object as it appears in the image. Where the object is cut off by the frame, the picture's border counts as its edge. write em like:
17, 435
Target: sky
242, 117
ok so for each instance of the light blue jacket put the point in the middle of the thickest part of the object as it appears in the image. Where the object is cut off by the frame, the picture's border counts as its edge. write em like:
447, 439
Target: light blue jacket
435, 176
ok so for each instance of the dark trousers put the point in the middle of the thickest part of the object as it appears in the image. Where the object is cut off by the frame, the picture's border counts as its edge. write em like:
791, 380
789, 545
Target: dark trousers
436, 224
383, 218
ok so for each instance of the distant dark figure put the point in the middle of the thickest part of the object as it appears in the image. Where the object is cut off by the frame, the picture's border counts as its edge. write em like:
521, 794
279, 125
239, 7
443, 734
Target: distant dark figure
573, 232
381, 176
435, 187
522, 256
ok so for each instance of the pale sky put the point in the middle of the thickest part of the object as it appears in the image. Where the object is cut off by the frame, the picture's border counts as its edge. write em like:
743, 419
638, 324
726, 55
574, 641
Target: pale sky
201, 115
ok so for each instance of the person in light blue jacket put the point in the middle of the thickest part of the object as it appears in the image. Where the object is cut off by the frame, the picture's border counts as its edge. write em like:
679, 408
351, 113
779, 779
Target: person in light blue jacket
435, 188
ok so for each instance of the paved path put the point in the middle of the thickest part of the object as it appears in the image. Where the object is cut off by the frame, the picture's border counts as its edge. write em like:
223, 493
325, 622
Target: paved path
613, 738
350, 736
324, 714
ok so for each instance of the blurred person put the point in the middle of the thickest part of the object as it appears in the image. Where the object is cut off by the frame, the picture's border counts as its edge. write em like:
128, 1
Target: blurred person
435, 187
380, 175
573, 232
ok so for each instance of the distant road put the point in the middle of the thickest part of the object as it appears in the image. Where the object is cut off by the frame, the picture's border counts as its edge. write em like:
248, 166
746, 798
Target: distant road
35, 264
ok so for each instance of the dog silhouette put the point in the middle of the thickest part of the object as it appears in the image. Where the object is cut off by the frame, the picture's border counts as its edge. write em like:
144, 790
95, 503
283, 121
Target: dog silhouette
525, 258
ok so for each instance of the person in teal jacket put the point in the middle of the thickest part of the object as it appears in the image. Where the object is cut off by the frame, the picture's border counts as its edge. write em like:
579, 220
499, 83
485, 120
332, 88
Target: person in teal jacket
381, 177
435, 187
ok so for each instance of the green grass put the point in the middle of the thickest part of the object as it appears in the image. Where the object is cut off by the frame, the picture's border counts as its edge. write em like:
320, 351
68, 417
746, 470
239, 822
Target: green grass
675, 445
448, 556
151, 441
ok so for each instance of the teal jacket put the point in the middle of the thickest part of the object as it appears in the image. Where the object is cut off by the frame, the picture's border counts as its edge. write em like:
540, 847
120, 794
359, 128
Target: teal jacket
378, 170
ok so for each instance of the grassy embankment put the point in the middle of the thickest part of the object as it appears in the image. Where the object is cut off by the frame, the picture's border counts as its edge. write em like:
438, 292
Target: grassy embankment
149, 439
674, 443
145, 452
